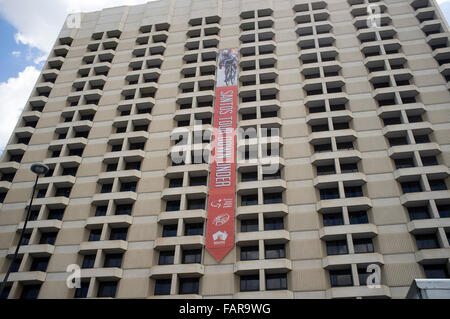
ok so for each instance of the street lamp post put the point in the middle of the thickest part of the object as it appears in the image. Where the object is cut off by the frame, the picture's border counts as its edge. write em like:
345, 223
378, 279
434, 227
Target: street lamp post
38, 169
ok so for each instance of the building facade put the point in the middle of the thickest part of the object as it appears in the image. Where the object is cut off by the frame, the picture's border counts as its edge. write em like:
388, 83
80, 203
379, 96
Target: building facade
356, 92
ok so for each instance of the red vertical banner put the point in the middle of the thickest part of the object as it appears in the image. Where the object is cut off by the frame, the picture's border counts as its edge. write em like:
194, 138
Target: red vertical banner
222, 182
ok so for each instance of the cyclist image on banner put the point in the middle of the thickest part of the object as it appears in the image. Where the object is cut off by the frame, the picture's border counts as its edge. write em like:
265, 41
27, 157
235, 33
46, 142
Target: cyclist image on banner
228, 63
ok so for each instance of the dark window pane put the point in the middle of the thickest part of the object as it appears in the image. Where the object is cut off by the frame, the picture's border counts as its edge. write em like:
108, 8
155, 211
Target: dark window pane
334, 219
193, 229
249, 225
172, 205
170, 230
363, 245
193, 256
444, 211
39, 264
107, 289
118, 234
95, 235
275, 223
341, 278
48, 238
275, 251
276, 281
113, 260
249, 283
30, 292
88, 261
337, 247
436, 271
82, 291
162, 287
358, 217
249, 253
420, 212
427, 241
189, 286
166, 257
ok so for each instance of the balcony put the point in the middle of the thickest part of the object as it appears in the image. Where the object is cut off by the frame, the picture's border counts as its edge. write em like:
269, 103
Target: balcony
358, 291
281, 265
44, 250
432, 256
187, 242
115, 221
182, 270
358, 230
269, 236
118, 197
359, 203
336, 261
108, 246
102, 274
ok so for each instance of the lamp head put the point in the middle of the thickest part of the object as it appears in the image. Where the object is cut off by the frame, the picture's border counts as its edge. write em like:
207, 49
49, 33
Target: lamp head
39, 168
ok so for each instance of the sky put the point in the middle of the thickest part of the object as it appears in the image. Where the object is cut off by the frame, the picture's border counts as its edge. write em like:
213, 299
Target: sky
28, 29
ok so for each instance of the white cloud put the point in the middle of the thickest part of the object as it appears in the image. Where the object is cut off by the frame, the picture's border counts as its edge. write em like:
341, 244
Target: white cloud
16, 53
39, 22
14, 94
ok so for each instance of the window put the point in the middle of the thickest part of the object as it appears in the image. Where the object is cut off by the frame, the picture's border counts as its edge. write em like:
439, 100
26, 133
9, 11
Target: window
39, 264
444, 211
34, 214
111, 167
353, 191
421, 139
329, 193
275, 251
247, 200
15, 264
193, 229
420, 212
107, 289
56, 214
63, 191
358, 217
113, 260
274, 223
349, 168
196, 203
106, 188
341, 278
429, 160
276, 281
70, 171
337, 247
249, 176
82, 291
326, 170
395, 141
427, 241
437, 185
411, 187
197, 181
363, 275
249, 283
30, 291
193, 256
88, 261
363, 245
162, 287
175, 182
95, 235
249, 225
403, 163
25, 239
133, 165
48, 238
189, 286
333, 219
169, 230
166, 257
101, 210
128, 187
273, 198
436, 271
118, 234
41, 193
5, 292
172, 205
249, 253
124, 209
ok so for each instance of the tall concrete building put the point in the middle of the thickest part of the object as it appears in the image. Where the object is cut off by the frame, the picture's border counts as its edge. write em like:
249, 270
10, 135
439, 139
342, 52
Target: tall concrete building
356, 92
